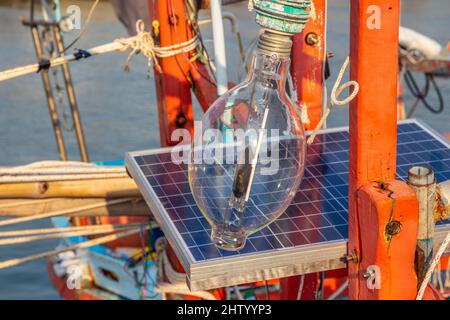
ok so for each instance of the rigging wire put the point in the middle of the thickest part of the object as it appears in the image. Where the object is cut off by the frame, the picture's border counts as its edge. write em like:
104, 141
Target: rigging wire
85, 27
266, 285
421, 95
194, 23
49, 46
185, 55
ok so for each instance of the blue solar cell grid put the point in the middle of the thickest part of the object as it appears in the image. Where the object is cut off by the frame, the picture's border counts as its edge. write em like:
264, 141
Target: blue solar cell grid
318, 212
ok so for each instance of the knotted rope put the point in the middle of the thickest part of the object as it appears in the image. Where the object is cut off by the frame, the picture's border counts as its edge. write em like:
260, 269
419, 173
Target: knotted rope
337, 90
144, 43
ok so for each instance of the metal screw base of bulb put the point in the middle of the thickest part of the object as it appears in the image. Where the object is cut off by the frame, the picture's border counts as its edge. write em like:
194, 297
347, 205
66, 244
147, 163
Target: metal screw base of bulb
271, 43
228, 240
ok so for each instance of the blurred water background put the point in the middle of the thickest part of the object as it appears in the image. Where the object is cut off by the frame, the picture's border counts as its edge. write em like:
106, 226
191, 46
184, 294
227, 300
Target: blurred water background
119, 109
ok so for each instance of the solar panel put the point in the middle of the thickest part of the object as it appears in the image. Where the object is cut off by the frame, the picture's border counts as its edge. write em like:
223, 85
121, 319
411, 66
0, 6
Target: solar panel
310, 236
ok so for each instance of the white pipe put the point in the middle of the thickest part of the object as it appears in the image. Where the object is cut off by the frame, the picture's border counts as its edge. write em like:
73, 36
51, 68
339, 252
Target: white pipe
220, 59
413, 40
233, 21
226, 15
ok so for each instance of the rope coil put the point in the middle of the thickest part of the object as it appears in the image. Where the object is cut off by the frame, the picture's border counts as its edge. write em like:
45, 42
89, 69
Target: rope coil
337, 90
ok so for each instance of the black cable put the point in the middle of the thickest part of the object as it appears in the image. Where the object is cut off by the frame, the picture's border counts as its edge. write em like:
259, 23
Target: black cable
267, 290
81, 54
84, 28
439, 95
44, 64
423, 94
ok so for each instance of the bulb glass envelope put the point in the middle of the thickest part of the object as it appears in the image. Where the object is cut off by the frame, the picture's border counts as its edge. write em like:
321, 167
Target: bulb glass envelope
248, 159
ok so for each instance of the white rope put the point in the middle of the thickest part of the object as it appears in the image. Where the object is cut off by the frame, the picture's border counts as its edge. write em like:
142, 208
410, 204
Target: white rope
65, 234
170, 288
54, 164
338, 292
27, 232
59, 177
440, 282
177, 280
33, 68
337, 90
300, 287
142, 42
61, 170
64, 212
56, 171
238, 293
432, 266
35, 202
82, 245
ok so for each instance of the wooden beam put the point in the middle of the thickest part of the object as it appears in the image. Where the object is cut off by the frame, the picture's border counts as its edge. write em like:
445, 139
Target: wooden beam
95, 188
29, 207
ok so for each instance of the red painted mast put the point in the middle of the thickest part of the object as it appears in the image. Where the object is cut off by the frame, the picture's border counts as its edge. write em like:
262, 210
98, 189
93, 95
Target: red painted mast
307, 63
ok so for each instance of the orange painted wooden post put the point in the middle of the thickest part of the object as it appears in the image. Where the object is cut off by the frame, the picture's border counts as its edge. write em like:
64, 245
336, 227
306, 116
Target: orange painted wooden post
374, 30
307, 64
388, 218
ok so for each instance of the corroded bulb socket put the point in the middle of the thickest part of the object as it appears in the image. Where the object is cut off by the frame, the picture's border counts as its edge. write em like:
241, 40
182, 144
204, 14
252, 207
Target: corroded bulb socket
270, 43
288, 16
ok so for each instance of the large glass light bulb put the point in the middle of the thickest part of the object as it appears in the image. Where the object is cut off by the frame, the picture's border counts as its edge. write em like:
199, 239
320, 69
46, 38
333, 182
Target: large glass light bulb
248, 159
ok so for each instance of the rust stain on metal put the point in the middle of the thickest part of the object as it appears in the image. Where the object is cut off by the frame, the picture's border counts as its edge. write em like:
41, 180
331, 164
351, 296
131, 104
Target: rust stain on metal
442, 207
393, 228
